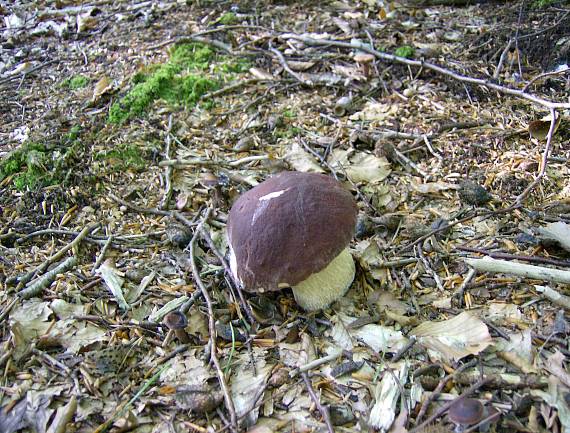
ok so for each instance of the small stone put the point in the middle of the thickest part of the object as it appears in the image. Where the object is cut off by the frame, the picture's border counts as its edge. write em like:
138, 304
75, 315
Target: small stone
473, 194
179, 235
136, 275
244, 144
341, 414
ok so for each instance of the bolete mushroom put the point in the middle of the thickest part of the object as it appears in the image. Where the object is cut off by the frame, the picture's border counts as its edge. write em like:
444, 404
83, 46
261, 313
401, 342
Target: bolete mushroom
176, 321
466, 412
364, 60
293, 230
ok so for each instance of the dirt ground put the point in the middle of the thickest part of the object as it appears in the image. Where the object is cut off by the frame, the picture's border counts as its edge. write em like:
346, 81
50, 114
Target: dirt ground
128, 130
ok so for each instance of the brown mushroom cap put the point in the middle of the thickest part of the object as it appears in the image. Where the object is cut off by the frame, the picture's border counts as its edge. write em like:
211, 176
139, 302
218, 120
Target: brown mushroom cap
287, 228
466, 411
175, 320
364, 58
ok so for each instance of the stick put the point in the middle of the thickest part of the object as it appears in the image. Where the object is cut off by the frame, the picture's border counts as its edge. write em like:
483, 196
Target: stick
54, 258
439, 69
438, 413
544, 161
211, 324
322, 409
488, 264
45, 280
168, 169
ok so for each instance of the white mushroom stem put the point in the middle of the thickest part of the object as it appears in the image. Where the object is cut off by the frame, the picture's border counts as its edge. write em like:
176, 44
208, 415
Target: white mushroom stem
325, 287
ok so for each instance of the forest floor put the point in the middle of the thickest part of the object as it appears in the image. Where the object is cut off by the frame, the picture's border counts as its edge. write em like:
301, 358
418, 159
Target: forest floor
129, 129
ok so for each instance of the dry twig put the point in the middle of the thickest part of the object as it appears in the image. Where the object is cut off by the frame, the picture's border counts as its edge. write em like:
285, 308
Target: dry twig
211, 324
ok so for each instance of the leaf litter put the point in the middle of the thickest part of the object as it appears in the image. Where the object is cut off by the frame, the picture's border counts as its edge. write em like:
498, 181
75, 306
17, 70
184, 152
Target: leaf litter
125, 146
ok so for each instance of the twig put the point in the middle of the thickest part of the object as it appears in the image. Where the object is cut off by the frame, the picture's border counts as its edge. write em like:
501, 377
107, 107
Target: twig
438, 413
400, 353
544, 75
428, 268
101, 255
485, 421
439, 69
229, 274
433, 395
45, 280
211, 325
137, 208
460, 292
168, 169
285, 66
315, 363
507, 256
488, 264
499, 67
322, 409
55, 257
536, 181
555, 296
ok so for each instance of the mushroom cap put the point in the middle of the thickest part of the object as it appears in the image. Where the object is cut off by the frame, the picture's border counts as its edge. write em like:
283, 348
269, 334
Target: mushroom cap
175, 320
466, 411
363, 57
288, 228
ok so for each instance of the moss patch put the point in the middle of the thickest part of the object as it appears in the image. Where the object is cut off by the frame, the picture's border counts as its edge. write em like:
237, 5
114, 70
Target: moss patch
405, 51
130, 156
35, 165
227, 19
76, 82
191, 71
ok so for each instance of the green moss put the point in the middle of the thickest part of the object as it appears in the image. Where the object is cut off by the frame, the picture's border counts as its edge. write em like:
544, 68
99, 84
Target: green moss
179, 81
76, 82
289, 114
35, 165
124, 157
405, 51
29, 164
227, 19
540, 4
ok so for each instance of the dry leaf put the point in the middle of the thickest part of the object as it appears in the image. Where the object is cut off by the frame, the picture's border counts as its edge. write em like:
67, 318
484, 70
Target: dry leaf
104, 85
113, 281
360, 166
301, 160
455, 338
558, 231
539, 128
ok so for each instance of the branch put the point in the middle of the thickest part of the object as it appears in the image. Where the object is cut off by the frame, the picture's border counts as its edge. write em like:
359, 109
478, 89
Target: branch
427, 65
211, 324
488, 264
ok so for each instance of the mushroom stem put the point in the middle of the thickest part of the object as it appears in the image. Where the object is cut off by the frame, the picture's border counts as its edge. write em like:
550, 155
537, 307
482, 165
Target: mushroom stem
323, 288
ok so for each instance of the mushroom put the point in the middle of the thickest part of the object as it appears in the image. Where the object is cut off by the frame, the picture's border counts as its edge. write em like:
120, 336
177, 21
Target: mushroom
293, 230
364, 60
465, 412
176, 321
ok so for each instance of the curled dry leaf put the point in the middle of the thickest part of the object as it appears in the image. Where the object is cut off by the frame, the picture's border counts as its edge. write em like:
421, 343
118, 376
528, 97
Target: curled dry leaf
559, 232
455, 338
113, 281
360, 166
386, 396
104, 85
301, 160
539, 128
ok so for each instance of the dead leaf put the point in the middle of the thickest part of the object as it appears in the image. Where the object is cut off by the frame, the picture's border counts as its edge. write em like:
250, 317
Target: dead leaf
559, 232
455, 338
104, 85
113, 281
301, 160
360, 166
